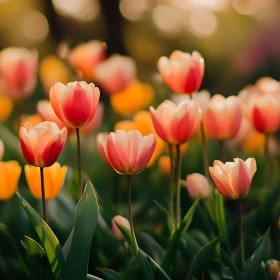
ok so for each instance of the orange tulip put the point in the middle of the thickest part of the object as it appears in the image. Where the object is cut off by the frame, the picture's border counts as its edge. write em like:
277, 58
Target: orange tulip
54, 177
86, 57
33, 119
233, 179
42, 144
116, 73
18, 72
222, 117
76, 103
182, 72
125, 126
164, 165
115, 230
6, 107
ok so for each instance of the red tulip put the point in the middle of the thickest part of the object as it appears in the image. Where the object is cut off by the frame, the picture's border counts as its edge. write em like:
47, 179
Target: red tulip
182, 72
42, 144
76, 103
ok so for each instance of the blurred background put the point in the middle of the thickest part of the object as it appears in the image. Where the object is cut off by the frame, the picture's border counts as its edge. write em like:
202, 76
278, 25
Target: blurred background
239, 39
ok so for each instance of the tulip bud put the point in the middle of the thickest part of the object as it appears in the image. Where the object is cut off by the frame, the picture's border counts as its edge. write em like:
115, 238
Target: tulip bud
115, 230
273, 269
197, 186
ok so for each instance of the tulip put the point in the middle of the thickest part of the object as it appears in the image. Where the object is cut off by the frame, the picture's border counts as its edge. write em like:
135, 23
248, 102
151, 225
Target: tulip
127, 152
197, 186
18, 72
76, 103
2, 149
33, 119
175, 124
125, 126
86, 57
132, 99
42, 144
6, 107
96, 121
233, 179
266, 114
115, 229
53, 179
222, 117
9, 176
278, 277
268, 85
182, 72
101, 138
116, 73
164, 165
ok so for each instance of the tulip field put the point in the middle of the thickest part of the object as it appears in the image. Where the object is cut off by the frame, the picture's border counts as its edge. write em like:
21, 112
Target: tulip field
104, 176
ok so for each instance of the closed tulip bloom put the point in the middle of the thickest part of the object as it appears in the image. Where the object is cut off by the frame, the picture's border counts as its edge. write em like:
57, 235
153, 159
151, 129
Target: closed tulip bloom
197, 186
76, 103
9, 175
115, 229
86, 57
175, 124
182, 72
54, 177
101, 139
233, 179
222, 117
18, 72
42, 144
128, 152
266, 114
116, 73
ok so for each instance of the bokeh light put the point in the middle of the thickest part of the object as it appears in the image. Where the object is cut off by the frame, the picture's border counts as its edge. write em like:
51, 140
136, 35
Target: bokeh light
34, 26
133, 10
250, 7
215, 5
81, 10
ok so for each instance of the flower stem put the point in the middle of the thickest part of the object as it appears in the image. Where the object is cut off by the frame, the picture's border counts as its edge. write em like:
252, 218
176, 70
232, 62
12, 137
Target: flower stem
171, 186
80, 190
239, 206
204, 152
178, 191
266, 154
221, 148
130, 211
43, 194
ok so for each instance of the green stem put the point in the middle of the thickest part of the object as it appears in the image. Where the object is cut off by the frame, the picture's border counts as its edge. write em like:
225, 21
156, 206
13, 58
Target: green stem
43, 194
171, 186
239, 206
221, 148
178, 191
130, 211
204, 152
266, 154
80, 189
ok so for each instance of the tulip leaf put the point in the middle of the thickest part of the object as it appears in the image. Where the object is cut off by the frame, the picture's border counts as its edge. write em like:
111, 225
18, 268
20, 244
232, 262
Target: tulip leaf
67, 245
176, 236
33, 247
252, 265
50, 243
109, 274
233, 269
202, 256
127, 235
145, 267
91, 277
84, 227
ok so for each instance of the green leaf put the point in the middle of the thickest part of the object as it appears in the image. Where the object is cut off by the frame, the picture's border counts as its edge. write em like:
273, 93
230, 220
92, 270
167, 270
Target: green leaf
109, 274
127, 235
233, 269
67, 245
49, 242
84, 227
91, 277
177, 234
189, 247
145, 266
253, 263
33, 248
202, 256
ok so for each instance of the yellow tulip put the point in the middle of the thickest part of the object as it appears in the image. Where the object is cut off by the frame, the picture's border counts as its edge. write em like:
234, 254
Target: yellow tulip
53, 178
33, 119
135, 97
125, 126
6, 107
9, 175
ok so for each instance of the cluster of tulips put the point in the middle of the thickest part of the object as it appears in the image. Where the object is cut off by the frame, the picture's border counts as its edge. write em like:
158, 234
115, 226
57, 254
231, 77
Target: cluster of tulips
75, 108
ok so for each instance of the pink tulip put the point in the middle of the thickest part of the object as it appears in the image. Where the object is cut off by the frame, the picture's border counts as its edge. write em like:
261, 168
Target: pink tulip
197, 186
85, 58
222, 117
175, 124
96, 121
115, 229
101, 139
233, 179
127, 152
76, 103
2, 149
182, 72
278, 277
266, 114
116, 73
18, 72
42, 144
